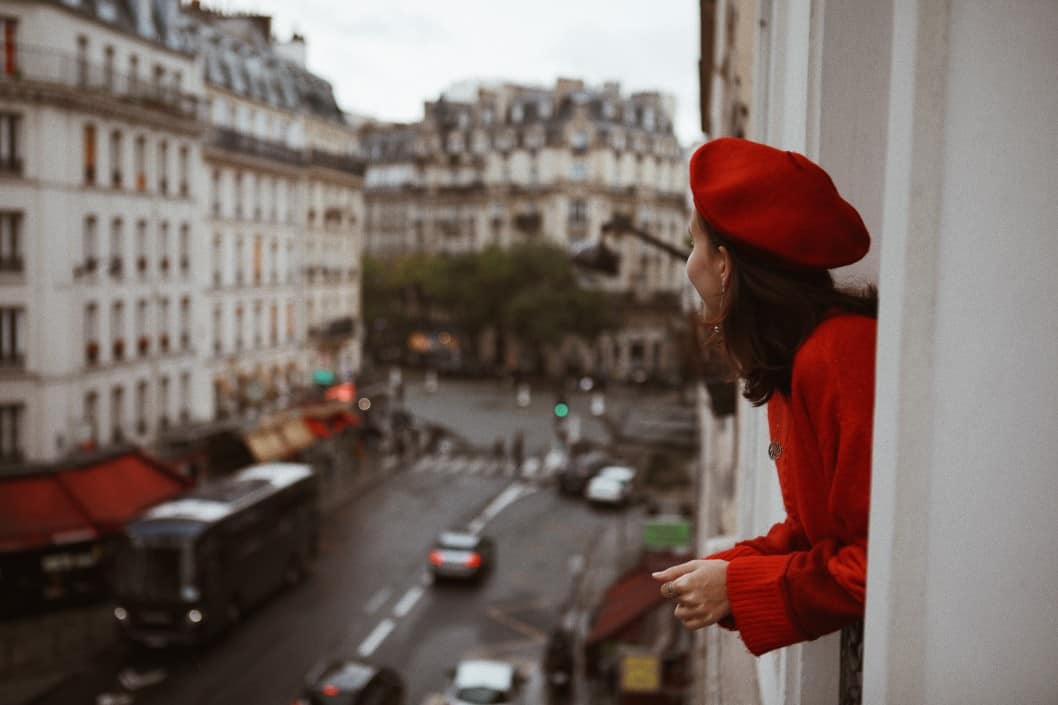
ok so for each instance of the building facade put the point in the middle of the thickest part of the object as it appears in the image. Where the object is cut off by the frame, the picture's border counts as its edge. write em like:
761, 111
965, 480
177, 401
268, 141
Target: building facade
170, 181
102, 147
505, 164
283, 218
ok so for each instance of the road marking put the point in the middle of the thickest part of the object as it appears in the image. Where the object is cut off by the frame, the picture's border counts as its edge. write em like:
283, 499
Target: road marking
376, 637
408, 601
377, 600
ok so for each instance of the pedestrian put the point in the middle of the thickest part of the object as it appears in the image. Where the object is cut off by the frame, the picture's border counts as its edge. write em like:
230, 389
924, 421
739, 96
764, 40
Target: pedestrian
518, 448
767, 228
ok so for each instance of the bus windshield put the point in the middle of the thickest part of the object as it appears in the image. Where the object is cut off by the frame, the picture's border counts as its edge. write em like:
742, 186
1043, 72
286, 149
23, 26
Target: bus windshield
153, 572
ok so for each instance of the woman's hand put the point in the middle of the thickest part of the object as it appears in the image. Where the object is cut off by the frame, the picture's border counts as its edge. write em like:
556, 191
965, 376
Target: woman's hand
699, 588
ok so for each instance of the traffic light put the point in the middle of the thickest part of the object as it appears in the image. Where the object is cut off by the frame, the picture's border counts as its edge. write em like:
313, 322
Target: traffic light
561, 409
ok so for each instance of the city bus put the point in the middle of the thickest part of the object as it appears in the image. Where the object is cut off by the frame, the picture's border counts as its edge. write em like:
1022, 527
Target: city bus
190, 568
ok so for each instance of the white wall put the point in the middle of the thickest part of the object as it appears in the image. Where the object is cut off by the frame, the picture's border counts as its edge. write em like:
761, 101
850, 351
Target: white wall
963, 575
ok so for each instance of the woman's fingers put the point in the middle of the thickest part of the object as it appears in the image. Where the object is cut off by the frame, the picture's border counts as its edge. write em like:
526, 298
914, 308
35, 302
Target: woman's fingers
673, 572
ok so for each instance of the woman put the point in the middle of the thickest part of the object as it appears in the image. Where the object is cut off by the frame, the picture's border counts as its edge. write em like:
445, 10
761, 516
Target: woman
768, 225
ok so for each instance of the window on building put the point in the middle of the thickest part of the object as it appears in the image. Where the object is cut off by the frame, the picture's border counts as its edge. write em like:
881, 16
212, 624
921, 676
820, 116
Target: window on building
91, 333
290, 321
239, 327
140, 156
579, 171
578, 212
91, 245
163, 402
141, 407
115, 159
91, 416
10, 139
11, 242
218, 330
163, 167
82, 60
143, 343
238, 261
12, 336
238, 194
185, 323
163, 325
257, 254
108, 68
273, 324
216, 194
134, 74
88, 143
257, 308
185, 396
117, 248
12, 422
217, 260
141, 247
273, 262
183, 173
9, 45
163, 246
117, 330
185, 249
117, 413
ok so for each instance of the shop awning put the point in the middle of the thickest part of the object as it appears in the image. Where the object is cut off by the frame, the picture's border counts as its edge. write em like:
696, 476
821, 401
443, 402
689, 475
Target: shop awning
36, 511
296, 435
266, 444
633, 595
114, 490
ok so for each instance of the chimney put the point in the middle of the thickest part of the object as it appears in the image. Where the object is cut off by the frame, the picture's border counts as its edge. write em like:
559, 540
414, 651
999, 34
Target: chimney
294, 50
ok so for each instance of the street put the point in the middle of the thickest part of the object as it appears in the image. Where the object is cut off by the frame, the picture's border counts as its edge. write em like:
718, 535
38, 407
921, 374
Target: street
369, 597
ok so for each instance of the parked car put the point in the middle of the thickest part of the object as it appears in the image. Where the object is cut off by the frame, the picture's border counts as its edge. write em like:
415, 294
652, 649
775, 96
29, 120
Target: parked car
461, 555
483, 682
352, 683
612, 484
573, 477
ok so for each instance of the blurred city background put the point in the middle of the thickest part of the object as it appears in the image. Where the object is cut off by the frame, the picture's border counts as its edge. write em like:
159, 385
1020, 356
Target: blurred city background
367, 371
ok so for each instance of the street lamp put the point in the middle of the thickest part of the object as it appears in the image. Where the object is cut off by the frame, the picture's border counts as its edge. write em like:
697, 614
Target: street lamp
596, 255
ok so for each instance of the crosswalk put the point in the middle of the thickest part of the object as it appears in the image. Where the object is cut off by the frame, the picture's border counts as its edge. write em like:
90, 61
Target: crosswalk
481, 465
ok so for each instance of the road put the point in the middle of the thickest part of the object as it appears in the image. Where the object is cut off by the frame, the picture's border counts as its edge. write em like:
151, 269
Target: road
369, 595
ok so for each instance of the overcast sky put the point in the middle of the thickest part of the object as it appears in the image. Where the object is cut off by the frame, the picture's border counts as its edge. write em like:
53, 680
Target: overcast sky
385, 57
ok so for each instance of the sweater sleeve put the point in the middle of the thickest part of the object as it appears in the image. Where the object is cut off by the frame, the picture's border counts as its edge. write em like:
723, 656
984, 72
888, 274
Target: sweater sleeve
780, 599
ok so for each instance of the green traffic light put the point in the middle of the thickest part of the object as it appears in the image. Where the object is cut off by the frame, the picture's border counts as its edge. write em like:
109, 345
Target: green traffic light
561, 410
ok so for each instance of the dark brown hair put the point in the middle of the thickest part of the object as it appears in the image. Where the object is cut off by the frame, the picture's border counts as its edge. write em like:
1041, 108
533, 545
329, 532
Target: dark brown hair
770, 311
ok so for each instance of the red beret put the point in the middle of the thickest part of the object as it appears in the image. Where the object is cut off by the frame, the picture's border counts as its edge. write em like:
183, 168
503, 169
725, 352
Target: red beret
776, 204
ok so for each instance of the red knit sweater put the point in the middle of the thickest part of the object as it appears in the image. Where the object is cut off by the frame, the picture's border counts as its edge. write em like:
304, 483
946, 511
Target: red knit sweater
807, 576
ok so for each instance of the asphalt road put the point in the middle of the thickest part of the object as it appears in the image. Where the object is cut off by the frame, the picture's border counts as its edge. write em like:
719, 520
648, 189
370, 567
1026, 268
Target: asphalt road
369, 596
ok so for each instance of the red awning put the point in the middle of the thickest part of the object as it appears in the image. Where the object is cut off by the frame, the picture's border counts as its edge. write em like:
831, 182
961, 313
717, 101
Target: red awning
318, 427
632, 596
35, 511
116, 490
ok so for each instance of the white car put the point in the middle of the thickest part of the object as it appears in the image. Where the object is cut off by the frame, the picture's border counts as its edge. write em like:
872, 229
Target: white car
621, 473
612, 484
482, 682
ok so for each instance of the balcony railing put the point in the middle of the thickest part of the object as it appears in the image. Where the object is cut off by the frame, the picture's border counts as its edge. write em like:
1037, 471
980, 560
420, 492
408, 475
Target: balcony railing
338, 162
230, 140
45, 65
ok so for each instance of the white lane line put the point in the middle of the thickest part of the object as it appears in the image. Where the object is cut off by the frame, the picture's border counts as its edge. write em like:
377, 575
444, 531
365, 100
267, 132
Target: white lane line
412, 596
376, 637
377, 600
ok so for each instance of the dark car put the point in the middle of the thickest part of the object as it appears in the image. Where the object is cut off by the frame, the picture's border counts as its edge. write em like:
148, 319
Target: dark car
461, 555
573, 478
352, 683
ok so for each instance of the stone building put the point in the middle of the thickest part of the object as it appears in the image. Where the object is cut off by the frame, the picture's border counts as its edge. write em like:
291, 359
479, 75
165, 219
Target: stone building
282, 217
100, 110
503, 164
179, 222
